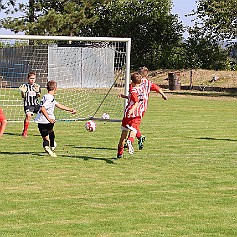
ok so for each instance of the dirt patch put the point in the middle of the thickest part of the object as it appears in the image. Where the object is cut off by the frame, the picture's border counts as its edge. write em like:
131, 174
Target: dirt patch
200, 77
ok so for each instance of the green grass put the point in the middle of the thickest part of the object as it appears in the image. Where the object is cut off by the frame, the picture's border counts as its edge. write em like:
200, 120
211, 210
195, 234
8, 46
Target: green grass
183, 183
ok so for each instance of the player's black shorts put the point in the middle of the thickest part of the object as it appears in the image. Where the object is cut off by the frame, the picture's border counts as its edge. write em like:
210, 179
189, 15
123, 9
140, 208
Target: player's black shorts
32, 109
44, 128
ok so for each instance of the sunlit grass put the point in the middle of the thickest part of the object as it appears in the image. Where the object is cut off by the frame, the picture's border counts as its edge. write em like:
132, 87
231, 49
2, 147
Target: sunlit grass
183, 183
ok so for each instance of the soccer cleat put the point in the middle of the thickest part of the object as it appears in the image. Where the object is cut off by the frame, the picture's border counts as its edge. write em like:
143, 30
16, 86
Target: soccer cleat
49, 151
130, 147
119, 156
140, 142
24, 134
54, 147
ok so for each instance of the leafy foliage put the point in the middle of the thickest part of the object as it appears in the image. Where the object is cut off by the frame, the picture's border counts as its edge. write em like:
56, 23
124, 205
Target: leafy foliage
219, 17
51, 17
154, 31
205, 52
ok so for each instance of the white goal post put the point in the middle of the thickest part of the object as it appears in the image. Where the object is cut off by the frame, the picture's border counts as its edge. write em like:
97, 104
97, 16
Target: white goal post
90, 71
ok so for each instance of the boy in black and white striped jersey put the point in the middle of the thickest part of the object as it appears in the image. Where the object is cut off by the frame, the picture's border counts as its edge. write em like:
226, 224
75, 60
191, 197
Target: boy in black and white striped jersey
30, 92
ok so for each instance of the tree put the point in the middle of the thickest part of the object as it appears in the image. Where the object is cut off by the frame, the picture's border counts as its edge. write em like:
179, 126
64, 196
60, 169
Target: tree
153, 30
41, 17
203, 51
218, 18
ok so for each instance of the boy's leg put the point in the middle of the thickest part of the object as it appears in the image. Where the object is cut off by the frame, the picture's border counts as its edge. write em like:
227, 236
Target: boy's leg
138, 135
121, 143
125, 144
44, 131
47, 147
26, 124
130, 142
141, 139
134, 127
3, 125
52, 140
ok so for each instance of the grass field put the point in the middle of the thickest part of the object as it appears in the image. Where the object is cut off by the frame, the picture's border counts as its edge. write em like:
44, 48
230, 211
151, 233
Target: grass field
183, 183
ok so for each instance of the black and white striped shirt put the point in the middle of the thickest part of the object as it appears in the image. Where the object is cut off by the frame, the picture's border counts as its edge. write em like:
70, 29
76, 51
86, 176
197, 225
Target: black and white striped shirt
31, 98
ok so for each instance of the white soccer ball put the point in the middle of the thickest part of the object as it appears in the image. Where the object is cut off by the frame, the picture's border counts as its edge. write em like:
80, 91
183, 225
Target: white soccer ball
90, 126
105, 116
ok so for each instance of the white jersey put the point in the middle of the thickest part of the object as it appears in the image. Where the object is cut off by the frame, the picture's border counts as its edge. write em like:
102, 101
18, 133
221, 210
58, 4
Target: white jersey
49, 103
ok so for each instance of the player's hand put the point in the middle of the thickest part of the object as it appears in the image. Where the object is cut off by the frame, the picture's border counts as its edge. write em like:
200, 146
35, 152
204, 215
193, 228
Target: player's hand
52, 120
36, 88
23, 88
73, 111
122, 96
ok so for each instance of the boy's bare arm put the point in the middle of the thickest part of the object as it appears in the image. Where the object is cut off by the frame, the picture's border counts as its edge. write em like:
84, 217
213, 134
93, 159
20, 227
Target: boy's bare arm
63, 107
162, 94
123, 96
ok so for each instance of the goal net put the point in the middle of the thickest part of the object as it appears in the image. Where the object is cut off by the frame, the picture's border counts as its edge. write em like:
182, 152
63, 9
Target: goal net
90, 73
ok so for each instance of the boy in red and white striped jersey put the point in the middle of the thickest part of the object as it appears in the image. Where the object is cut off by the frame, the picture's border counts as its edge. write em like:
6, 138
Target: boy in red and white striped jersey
132, 115
147, 86
3, 122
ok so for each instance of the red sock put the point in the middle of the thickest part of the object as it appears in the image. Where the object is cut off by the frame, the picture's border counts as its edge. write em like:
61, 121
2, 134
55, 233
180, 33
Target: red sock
26, 125
138, 135
120, 150
131, 139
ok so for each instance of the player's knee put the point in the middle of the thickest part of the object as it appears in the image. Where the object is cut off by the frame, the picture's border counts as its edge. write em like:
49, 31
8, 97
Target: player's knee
44, 133
28, 117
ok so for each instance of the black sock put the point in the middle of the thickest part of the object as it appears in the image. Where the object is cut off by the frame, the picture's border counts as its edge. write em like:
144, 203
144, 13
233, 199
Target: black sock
51, 138
45, 143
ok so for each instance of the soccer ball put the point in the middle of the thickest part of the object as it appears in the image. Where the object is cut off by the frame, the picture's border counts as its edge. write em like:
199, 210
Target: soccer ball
105, 116
90, 126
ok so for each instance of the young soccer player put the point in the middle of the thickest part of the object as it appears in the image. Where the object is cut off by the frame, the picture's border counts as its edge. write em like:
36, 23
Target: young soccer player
46, 118
3, 122
30, 92
132, 115
147, 86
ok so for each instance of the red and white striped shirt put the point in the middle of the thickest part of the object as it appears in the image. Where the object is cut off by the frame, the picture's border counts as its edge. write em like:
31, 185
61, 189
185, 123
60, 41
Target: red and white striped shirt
148, 86
136, 94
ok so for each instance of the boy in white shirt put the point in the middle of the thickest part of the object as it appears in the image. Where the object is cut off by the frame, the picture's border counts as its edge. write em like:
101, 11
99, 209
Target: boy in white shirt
46, 118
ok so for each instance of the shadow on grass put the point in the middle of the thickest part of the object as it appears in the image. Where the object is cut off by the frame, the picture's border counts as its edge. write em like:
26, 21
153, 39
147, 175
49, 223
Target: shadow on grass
90, 147
12, 134
109, 161
22, 153
216, 139
19, 134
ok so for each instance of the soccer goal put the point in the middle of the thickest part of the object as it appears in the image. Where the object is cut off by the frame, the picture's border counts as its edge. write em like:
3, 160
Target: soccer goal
90, 71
